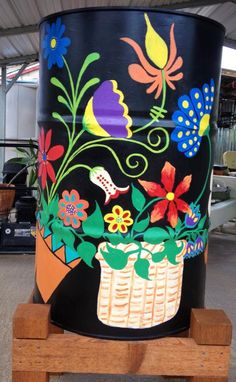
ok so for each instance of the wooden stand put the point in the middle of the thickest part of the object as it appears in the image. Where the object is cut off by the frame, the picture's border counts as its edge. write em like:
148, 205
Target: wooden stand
39, 348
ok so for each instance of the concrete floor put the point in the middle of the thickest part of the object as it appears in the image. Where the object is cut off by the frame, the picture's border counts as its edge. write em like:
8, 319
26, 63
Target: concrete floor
16, 284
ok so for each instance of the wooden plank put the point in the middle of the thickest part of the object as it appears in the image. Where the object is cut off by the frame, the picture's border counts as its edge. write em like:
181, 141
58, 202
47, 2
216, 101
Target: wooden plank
207, 379
166, 356
210, 327
22, 376
31, 321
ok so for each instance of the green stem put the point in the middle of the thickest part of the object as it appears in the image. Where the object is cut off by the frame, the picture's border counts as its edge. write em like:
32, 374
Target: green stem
208, 171
71, 83
161, 107
142, 211
74, 168
63, 166
184, 234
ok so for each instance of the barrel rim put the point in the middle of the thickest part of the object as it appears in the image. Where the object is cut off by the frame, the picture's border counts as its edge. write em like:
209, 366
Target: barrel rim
127, 9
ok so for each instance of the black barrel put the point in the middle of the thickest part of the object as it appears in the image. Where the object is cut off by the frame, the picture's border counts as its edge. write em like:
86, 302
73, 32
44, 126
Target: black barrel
127, 110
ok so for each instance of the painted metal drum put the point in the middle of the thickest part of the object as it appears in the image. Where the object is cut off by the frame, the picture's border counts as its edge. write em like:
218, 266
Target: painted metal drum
127, 110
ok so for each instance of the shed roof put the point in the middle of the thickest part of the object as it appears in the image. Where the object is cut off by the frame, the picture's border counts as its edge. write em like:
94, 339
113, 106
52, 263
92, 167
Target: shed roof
19, 40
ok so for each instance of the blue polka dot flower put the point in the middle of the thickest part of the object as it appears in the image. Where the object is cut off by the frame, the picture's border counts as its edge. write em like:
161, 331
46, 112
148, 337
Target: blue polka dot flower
192, 120
54, 44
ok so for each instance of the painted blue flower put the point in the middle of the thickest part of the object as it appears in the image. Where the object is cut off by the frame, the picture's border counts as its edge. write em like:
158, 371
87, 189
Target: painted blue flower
192, 120
54, 45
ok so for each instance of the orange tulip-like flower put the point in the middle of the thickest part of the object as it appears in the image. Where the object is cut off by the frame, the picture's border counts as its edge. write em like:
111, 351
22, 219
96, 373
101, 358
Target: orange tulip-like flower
171, 203
166, 63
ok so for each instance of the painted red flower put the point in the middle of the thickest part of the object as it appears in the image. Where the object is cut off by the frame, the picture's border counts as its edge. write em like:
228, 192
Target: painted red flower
47, 155
71, 208
166, 63
171, 202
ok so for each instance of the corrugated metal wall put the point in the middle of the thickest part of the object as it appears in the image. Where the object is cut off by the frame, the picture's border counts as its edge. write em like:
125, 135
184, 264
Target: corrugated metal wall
226, 133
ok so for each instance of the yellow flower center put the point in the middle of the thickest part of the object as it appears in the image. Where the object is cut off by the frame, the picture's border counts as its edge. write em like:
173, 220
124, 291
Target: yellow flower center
203, 125
53, 43
170, 196
119, 219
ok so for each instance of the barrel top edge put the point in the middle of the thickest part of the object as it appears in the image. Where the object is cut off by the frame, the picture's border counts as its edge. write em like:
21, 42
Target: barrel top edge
130, 9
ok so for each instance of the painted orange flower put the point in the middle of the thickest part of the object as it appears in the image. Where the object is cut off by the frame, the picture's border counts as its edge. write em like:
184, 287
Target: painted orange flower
171, 198
72, 208
118, 219
166, 63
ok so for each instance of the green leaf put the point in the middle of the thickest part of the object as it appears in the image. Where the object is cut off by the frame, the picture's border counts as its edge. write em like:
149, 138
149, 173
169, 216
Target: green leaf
138, 198
32, 177
171, 231
58, 116
202, 222
141, 267
24, 160
87, 251
158, 256
44, 203
179, 224
171, 250
22, 150
115, 258
63, 233
54, 81
156, 235
89, 84
94, 225
114, 238
141, 225
43, 218
53, 207
63, 101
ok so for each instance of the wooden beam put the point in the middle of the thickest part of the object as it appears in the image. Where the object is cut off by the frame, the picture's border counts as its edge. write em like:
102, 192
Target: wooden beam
166, 356
18, 30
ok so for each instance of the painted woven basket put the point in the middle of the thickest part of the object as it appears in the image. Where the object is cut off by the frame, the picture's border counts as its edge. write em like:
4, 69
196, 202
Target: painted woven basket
127, 300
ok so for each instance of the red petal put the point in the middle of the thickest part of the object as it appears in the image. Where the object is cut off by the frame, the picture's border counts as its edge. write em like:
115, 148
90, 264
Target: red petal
55, 152
40, 169
173, 50
168, 176
183, 186
48, 140
182, 206
44, 176
137, 73
159, 210
51, 172
145, 64
41, 140
152, 188
172, 215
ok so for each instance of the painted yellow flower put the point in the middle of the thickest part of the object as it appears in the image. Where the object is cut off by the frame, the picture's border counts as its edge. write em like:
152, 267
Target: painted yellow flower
118, 219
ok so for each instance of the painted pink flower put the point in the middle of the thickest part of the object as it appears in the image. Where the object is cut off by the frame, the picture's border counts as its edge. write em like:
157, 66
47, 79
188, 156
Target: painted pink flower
99, 176
72, 208
47, 155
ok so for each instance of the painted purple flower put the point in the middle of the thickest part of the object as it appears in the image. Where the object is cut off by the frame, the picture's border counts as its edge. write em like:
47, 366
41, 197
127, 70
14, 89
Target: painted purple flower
194, 248
106, 115
99, 176
192, 218
199, 245
189, 250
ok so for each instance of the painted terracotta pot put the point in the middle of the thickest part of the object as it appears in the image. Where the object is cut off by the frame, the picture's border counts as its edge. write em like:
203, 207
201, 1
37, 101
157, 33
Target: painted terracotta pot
127, 111
129, 301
